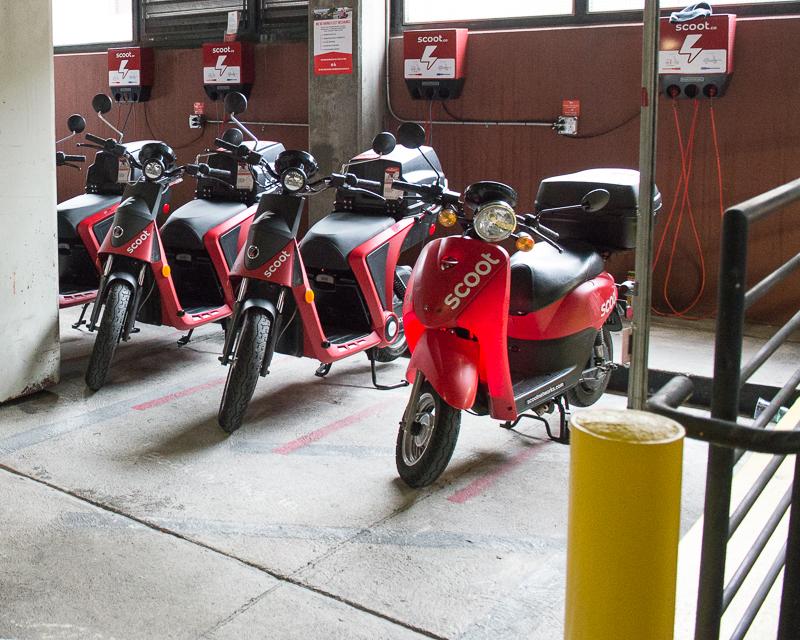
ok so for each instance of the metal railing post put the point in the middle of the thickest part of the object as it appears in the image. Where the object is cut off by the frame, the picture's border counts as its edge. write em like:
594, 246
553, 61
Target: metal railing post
724, 405
789, 625
638, 385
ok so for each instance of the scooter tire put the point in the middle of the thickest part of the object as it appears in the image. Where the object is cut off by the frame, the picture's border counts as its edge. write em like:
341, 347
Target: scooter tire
108, 335
440, 443
585, 395
244, 370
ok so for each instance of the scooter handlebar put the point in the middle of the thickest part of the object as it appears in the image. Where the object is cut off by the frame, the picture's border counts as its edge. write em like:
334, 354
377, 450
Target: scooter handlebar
203, 169
224, 144
548, 233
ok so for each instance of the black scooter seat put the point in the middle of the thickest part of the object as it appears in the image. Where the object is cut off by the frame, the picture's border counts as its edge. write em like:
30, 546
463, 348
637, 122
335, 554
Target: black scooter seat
328, 243
543, 275
75, 210
186, 227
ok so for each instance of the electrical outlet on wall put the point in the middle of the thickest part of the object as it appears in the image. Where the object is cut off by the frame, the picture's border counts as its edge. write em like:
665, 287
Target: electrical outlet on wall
567, 125
195, 121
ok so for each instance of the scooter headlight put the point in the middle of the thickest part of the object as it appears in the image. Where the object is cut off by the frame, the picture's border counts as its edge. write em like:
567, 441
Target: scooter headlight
293, 180
495, 221
153, 169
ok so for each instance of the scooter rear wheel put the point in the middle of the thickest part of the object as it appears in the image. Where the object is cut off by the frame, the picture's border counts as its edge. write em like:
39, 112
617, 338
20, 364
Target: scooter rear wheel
244, 370
108, 335
586, 393
423, 453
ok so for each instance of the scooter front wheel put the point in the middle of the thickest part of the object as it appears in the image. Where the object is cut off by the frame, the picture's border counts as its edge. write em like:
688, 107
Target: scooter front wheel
244, 370
424, 450
108, 335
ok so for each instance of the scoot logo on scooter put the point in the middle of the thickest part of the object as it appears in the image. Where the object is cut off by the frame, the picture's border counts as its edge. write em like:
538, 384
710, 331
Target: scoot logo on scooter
138, 242
277, 264
608, 305
470, 281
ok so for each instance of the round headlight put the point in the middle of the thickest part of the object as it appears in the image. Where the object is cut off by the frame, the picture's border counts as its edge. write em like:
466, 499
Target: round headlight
293, 180
153, 169
495, 221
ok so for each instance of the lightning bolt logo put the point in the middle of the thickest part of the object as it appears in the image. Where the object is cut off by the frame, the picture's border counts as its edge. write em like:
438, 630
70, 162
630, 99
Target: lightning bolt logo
428, 57
688, 48
123, 68
221, 66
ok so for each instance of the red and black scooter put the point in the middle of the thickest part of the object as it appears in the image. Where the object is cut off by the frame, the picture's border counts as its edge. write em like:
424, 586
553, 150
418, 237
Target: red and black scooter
84, 221
511, 336
339, 291
175, 270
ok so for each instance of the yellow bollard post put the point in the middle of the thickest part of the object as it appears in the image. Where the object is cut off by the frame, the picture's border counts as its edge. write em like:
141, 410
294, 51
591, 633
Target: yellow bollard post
624, 526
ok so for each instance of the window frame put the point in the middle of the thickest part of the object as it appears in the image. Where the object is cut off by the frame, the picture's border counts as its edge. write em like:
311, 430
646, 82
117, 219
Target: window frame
582, 17
95, 47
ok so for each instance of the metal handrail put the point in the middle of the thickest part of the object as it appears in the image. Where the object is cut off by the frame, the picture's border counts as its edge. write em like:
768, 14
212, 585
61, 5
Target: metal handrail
728, 440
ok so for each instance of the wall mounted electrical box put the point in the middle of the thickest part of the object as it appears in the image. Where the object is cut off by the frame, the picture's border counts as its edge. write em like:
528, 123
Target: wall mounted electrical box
435, 62
227, 66
130, 73
695, 57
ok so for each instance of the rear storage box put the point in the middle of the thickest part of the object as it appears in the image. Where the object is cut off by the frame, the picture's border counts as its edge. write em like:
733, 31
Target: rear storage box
611, 229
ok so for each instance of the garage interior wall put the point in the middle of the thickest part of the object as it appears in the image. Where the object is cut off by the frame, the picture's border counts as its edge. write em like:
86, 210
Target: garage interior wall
28, 270
524, 75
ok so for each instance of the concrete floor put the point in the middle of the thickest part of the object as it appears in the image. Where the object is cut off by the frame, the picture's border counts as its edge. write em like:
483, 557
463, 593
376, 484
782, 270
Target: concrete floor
129, 514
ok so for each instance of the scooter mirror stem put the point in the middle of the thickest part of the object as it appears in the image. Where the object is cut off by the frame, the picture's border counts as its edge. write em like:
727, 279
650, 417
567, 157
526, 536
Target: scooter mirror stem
236, 121
71, 135
111, 126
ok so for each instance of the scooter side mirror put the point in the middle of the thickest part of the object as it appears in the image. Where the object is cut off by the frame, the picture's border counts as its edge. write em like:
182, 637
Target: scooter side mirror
233, 136
76, 123
595, 200
235, 103
384, 143
101, 103
411, 135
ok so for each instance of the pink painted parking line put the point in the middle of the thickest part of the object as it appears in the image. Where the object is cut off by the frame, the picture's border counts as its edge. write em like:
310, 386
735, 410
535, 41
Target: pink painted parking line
325, 431
150, 404
479, 485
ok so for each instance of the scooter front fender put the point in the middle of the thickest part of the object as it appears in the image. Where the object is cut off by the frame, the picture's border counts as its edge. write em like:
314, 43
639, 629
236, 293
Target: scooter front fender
450, 364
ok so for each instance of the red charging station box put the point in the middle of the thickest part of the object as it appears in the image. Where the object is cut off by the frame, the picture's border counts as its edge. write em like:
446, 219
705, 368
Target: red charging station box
130, 73
227, 66
435, 62
695, 58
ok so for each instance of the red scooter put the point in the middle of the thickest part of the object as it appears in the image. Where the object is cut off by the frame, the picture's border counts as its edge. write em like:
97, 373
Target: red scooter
339, 291
511, 336
84, 221
175, 270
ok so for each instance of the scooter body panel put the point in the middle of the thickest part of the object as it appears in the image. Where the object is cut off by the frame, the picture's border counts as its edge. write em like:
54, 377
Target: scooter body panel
463, 284
450, 364
272, 254
587, 306
140, 240
85, 291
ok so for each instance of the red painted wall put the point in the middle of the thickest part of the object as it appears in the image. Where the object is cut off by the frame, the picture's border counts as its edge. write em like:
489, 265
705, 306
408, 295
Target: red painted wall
279, 94
524, 75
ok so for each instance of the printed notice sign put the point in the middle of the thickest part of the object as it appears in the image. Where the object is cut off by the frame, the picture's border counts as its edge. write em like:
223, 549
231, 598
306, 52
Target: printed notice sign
333, 41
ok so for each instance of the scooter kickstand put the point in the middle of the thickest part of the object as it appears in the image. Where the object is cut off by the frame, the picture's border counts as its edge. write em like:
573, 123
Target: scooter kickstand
563, 422
81, 321
323, 369
382, 387
182, 342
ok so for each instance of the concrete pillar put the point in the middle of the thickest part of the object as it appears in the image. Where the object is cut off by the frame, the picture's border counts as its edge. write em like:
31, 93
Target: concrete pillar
29, 342
346, 111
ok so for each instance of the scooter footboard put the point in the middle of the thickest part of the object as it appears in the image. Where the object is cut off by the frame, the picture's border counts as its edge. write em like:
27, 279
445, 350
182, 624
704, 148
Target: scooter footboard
450, 364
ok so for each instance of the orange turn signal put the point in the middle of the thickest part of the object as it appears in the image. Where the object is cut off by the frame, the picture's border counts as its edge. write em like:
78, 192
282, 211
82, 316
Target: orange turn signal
448, 217
309, 296
166, 271
524, 242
